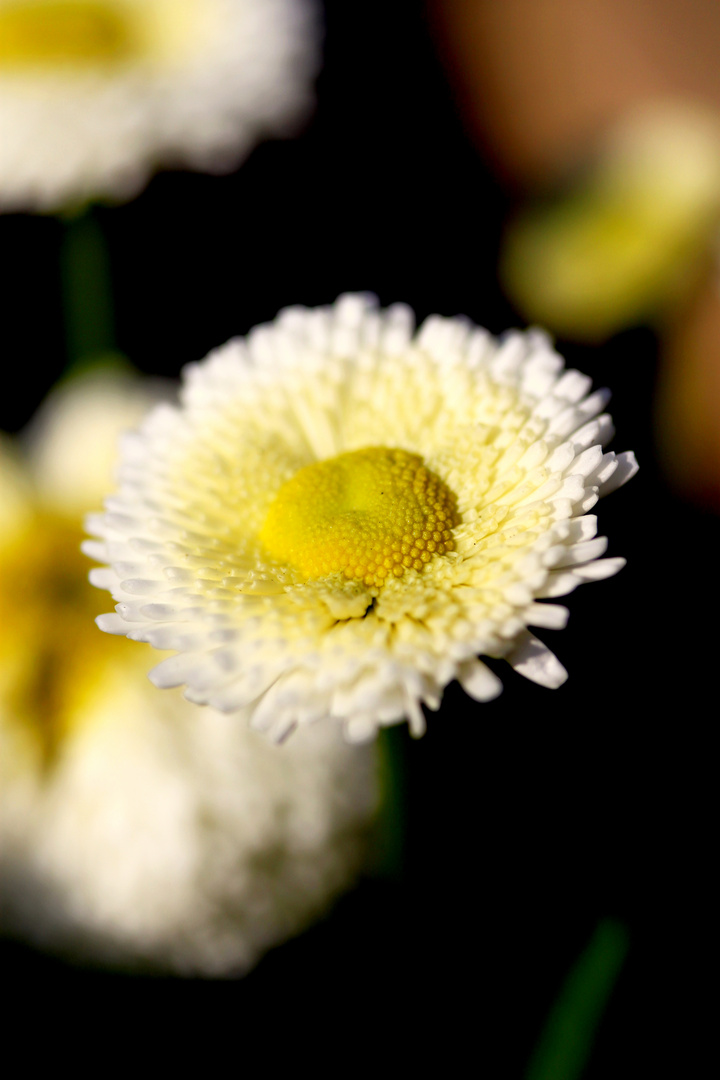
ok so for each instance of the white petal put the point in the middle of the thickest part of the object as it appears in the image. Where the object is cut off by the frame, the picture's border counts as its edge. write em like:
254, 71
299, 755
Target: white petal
627, 468
103, 578
583, 552
599, 569
550, 616
112, 623
562, 582
478, 681
534, 661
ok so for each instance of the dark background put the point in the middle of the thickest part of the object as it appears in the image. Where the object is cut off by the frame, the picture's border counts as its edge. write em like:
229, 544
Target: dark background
530, 818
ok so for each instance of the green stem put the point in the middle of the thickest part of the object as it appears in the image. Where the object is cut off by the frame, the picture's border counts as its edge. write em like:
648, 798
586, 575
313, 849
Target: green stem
87, 290
389, 832
566, 1042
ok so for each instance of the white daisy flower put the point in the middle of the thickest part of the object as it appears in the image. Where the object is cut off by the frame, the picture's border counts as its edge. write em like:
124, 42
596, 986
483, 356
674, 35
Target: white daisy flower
95, 94
136, 829
342, 516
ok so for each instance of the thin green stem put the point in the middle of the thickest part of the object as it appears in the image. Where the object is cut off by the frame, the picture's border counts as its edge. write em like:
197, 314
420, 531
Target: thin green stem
390, 826
87, 290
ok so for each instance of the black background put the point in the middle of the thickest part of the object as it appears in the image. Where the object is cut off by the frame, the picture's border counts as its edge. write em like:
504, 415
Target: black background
529, 818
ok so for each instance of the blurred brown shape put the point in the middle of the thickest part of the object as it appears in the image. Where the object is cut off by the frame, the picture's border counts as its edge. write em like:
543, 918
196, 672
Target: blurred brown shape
542, 86
539, 80
688, 395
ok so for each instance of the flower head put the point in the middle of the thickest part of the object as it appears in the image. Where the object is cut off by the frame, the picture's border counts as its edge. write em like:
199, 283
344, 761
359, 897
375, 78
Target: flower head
134, 828
341, 516
95, 94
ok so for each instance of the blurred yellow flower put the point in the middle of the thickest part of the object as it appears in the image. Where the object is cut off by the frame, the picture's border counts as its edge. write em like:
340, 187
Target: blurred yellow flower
135, 828
96, 94
628, 236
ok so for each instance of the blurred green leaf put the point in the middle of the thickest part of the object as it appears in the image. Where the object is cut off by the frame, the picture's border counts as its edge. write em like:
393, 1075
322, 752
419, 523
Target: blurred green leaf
566, 1042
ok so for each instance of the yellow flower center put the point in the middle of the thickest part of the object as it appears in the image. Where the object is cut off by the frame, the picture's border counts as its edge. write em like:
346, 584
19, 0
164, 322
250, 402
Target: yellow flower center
50, 32
368, 514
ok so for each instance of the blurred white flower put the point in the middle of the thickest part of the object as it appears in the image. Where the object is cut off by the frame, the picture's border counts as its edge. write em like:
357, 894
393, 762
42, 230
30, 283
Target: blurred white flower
136, 829
96, 94
342, 516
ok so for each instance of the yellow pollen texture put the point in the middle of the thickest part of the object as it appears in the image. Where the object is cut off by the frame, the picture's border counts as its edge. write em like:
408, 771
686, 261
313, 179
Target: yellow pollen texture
63, 31
370, 514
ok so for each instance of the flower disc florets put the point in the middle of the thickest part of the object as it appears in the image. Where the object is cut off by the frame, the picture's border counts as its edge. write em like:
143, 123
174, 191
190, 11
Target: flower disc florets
342, 516
366, 514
